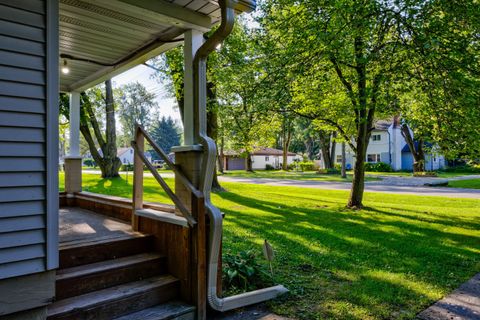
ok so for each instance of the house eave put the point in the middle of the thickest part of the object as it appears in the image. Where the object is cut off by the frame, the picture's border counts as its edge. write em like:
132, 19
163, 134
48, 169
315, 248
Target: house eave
100, 39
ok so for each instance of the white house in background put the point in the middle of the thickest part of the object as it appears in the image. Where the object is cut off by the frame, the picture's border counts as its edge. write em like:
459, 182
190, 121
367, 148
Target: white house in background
389, 146
124, 154
260, 159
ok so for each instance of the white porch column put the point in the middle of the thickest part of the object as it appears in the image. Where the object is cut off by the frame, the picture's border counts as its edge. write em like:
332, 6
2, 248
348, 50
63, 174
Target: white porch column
188, 156
74, 150
193, 41
73, 162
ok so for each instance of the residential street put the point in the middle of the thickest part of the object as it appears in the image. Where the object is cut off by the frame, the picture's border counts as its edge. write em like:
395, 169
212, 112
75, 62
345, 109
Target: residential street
396, 186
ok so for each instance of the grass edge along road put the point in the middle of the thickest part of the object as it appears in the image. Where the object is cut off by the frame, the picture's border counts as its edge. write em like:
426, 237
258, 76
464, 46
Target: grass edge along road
469, 184
388, 261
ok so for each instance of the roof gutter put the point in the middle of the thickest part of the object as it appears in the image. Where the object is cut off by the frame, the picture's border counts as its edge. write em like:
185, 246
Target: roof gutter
208, 167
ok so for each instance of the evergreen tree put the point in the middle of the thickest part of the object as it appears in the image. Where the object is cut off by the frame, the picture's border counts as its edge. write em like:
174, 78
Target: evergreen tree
166, 133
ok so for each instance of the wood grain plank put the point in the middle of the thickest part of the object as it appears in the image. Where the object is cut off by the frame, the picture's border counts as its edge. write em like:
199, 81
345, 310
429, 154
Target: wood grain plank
116, 301
96, 276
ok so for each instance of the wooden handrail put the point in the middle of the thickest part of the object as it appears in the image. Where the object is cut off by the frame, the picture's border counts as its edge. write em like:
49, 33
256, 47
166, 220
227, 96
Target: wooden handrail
178, 173
138, 182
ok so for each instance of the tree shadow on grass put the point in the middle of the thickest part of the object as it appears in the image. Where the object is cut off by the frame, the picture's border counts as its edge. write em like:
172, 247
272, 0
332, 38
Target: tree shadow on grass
353, 243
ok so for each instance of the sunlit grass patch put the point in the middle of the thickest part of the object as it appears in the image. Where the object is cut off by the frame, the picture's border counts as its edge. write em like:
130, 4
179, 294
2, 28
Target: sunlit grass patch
388, 261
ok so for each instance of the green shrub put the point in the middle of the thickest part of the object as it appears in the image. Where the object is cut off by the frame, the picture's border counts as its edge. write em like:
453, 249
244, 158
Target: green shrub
126, 167
378, 167
242, 271
89, 162
307, 166
269, 167
467, 168
328, 171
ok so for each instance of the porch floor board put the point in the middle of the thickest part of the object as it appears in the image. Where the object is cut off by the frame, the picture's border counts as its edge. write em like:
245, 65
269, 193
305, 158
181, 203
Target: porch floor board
78, 224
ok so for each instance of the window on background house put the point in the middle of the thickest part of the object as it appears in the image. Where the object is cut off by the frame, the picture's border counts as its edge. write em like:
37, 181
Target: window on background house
374, 157
339, 158
267, 158
376, 137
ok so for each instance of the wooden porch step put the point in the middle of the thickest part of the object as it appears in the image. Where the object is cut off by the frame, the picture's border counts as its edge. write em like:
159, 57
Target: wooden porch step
174, 310
78, 253
100, 275
116, 301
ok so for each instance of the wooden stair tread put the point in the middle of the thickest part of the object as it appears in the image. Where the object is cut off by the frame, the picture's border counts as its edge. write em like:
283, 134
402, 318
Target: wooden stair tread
166, 311
101, 240
111, 295
102, 266
164, 216
88, 252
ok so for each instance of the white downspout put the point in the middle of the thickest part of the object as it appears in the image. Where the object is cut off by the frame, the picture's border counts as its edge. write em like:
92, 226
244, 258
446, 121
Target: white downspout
207, 171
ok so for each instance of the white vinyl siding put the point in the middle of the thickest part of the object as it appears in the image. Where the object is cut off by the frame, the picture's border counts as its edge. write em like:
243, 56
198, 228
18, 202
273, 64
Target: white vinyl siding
25, 176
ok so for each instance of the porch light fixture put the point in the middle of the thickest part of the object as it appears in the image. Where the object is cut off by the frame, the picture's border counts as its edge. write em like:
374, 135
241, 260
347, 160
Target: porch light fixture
65, 68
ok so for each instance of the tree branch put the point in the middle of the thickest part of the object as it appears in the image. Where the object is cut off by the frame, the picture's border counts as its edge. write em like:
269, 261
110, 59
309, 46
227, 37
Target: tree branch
344, 81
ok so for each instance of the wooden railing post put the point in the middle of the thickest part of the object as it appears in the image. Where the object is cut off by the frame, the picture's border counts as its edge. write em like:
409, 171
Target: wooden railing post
199, 257
137, 178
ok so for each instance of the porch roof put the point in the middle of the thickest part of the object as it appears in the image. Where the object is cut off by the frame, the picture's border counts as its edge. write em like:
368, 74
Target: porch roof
102, 38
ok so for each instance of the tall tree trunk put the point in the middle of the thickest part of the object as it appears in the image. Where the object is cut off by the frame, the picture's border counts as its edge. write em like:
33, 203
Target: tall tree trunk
107, 161
309, 147
111, 163
333, 148
358, 183
364, 120
285, 159
248, 162
212, 127
221, 155
325, 146
417, 152
344, 162
287, 136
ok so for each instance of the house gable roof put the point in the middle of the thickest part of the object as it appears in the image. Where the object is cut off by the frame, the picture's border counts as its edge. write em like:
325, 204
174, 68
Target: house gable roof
382, 125
121, 151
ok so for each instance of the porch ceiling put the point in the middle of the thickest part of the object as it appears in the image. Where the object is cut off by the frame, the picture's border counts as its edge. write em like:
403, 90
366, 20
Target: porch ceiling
112, 36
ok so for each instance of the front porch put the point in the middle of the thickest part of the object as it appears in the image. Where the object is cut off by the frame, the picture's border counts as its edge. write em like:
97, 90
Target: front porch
179, 232
107, 270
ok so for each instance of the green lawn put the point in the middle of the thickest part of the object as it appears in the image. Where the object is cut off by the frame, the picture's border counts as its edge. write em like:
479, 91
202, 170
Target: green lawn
388, 261
470, 184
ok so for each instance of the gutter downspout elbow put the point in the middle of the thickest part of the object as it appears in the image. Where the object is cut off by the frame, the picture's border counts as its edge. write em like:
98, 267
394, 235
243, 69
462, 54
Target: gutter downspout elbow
208, 168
